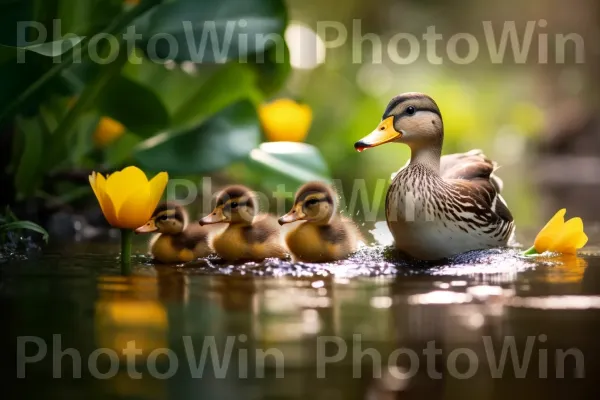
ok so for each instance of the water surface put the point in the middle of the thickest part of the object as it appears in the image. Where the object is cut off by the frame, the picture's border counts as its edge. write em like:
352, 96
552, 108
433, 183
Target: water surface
352, 330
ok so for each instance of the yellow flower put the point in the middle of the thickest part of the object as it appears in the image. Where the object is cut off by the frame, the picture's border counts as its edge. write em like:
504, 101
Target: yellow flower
285, 120
559, 236
126, 197
107, 131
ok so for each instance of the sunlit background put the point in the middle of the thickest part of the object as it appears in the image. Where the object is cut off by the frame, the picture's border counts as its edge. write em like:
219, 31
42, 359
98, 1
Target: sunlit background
536, 118
532, 118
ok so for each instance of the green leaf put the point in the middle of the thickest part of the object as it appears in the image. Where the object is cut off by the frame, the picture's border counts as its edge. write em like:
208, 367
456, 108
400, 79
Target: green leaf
134, 105
48, 49
288, 163
19, 75
230, 83
226, 137
87, 16
78, 52
215, 31
28, 174
11, 226
83, 138
173, 86
273, 70
63, 135
119, 152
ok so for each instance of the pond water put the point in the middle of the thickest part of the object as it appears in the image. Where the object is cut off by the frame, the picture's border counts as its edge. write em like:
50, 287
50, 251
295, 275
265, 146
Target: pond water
367, 328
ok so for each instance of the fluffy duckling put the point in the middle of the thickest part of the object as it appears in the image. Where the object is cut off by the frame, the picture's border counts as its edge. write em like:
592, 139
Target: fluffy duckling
249, 236
323, 236
176, 241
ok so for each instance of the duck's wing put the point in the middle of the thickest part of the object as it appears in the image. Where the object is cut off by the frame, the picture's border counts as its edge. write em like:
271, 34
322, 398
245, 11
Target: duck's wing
473, 165
471, 175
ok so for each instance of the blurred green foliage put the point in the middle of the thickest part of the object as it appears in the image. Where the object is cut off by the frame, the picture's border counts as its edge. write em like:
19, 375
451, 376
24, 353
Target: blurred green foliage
192, 114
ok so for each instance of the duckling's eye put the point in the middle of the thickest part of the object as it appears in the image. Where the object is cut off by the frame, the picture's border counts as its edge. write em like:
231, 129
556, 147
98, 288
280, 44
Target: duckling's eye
410, 110
234, 204
312, 202
162, 218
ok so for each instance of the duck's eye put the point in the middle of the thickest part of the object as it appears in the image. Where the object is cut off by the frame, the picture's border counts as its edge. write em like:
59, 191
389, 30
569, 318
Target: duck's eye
162, 218
410, 110
312, 202
234, 204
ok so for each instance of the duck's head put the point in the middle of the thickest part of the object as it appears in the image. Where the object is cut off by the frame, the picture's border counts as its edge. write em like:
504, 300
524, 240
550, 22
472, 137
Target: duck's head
314, 202
168, 218
410, 118
235, 205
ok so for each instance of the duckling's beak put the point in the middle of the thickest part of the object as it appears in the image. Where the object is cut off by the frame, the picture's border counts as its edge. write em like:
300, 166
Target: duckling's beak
384, 133
215, 217
295, 215
148, 227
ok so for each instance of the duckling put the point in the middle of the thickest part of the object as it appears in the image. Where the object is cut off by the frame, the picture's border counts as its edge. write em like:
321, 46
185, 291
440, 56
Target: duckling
249, 236
176, 241
322, 236
437, 207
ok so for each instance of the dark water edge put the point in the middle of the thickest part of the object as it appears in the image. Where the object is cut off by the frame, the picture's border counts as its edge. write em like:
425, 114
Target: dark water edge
371, 305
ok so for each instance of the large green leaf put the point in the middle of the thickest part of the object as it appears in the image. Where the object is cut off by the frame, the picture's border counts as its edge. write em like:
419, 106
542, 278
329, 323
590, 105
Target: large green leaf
230, 83
19, 66
121, 150
226, 137
26, 54
87, 16
288, 163
134, 105
273, 69
174, 86
118, 24
214, 31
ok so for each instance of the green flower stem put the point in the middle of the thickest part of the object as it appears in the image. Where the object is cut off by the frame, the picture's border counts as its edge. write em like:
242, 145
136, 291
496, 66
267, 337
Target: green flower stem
530, 251
126, 236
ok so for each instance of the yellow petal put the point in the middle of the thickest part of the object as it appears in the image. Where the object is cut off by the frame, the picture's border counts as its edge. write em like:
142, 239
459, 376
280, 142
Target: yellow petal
98, 184
569, 238
109, 212
135, 210
157, 187
92, 179
549, 232
285, 120
122, 184
581, 240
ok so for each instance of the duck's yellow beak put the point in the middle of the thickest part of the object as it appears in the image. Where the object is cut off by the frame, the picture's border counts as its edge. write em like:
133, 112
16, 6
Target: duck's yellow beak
384, 133
148, 227
215, 217
294, 215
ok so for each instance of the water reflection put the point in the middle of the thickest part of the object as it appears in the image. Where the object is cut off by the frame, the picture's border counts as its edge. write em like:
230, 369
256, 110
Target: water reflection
565, 269
128, 308
492, 294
